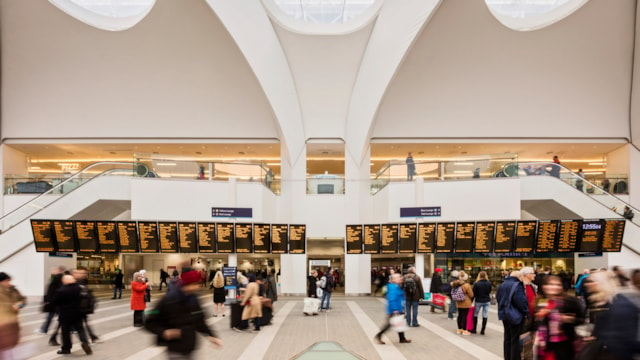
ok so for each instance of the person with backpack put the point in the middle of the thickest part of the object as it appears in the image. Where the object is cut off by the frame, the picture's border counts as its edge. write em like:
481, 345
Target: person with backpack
67, 301
462, 294
513, 309
327, 284
87, 300
413, 292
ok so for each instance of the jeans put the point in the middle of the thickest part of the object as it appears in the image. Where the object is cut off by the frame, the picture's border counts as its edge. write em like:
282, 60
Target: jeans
66, 333
411, 309
452, 309
325, 295
484, 307
511, 344
117, 289
47, 322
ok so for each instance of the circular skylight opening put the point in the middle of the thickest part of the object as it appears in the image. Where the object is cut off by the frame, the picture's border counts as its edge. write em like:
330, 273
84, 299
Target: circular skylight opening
113, 15
526, 15
324, 11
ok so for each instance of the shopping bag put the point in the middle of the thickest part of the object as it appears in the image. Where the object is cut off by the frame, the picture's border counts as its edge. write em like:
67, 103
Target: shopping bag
311, 306
470, 324
398, 323
438, 301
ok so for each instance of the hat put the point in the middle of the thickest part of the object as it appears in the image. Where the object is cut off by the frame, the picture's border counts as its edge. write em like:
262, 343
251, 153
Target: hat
4, 276
190, 277
455, 273
438, 270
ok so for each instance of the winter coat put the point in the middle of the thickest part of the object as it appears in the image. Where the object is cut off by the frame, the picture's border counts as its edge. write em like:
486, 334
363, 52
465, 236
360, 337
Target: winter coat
518, 301
251, 302
67, 301
54, 285
9, 327
436, 284
138, 289
272, 288
468, 294
419, 294
482, 291
395, 298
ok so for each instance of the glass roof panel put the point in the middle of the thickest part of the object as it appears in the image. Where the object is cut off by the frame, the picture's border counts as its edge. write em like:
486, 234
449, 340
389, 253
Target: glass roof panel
115, 8
324, 11
524, 8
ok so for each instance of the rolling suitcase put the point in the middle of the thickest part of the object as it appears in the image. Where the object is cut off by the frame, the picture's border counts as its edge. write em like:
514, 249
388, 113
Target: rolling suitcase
236, 314
311, 306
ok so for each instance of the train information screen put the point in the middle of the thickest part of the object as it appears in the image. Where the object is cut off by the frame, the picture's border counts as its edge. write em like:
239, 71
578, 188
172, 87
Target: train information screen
224, 238
279, 238
484, 236
464, 237
148, 235
427, 238
371, 239
107, 236
389, 239
64, 234
187, 237
168, 237
261, 238
444, 238
590, 235
525, 236
354, 239
612, 235
244, 238
86, 236
407, 234
128, 236
505, 236
297, 239
547, 236
568, 236
206, 237
43, 235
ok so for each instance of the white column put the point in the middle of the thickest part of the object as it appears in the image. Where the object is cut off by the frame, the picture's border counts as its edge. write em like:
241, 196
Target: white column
233, 260
357, 274
419, 264
293, 274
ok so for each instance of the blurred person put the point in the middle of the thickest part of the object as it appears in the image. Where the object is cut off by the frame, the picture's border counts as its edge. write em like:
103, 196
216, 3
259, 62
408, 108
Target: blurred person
271, 286
463, 305
174, 282
11, 301
413, 292
380, 282
579, 180
118, 284
482, 292
327, 285
67, 300
147, 293
163, 278
138, 305
531, 291
203, 277
411, 167
580, 287
602, 287
436, 285
54, 284
252, 308
627, 213
622, 278
555, 170
541, 275
395, 302
446, 288
81, 275
635, 278
219, 294
512, 310
178, 316
312, 279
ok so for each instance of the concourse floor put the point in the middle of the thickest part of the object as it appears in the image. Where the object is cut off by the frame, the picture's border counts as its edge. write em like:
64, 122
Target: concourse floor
352, 323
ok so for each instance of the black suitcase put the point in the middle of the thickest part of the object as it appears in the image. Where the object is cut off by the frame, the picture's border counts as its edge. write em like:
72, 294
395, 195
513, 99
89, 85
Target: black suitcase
236, 314
267, 315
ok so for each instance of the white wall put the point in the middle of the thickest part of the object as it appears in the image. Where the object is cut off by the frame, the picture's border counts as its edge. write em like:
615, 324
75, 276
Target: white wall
293, 274
357, 273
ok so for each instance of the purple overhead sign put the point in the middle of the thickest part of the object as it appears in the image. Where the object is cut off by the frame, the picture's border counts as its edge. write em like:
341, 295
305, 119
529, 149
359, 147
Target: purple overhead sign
421, 211
232, 212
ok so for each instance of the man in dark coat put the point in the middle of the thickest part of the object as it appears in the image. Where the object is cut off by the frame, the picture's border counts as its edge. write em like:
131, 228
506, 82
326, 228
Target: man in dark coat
67, 301
436, 284
511, 296
118, 285
54, 285
413, 295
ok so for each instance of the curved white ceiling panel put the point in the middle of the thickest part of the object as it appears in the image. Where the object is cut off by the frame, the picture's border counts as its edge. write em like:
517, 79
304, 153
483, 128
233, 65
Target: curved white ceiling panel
527, 15
112, 15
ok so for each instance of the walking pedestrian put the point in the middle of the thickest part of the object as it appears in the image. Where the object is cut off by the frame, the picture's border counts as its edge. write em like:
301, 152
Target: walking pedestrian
395, 301
11, 301
67, 300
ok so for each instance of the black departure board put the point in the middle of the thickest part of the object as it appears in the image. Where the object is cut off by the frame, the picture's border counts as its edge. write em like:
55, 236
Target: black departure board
547, 236
525, 236
224, 238
128, 236
244, 238
389, 239
148, 235
590, 235
354, 239
297, 239
484, 236
206, 237
371, 239
261, 238
444, 238
464, 237
107, 236
426, 237
505, 236
43, 235
64, 234
187, 237
168, 236
612, 235
568, 236
279, 238
86, 236
407, 238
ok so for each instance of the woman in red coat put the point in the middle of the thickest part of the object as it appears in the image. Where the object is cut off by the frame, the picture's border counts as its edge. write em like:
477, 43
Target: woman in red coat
138, 289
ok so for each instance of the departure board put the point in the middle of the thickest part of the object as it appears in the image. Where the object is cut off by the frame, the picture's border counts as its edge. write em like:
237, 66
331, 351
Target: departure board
224, 238
168, 237
464, 237
407, 238
244, 238
484, 236
206, 237
354, 239
612, 235
568, 235
64, 234
525, 236
590, 235
371, 239
187, 237
148, 235
427, 237
389, 239
107, 236
279, 238
444, 238
297, 239
128, 236
505, 235
547, 236
42, 235
261, 238
86, 236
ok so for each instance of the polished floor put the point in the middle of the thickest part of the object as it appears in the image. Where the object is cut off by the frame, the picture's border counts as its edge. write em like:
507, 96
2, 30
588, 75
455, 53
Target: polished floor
352, 323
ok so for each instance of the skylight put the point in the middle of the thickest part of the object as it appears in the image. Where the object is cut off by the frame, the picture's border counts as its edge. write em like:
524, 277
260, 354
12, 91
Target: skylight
527, 15
113, 15
324, 11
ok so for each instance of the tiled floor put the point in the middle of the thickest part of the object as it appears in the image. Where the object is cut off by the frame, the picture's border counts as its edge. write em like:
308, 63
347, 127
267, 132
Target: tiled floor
352, 322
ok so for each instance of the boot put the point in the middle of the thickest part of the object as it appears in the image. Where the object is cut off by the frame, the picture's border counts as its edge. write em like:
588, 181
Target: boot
484, 325
475, 324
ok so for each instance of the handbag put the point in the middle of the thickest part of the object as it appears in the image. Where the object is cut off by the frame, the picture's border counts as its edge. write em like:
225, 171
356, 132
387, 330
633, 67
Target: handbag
319, 292
398, 323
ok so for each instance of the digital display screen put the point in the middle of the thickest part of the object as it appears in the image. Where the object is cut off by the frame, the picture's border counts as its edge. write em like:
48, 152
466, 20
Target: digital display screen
427, 238
547, 236
148, 236
485, 236
613, 234
64, 233
297, 239
244, 238
128, 236
42, 235
188, 237
444, 238
568, 235
525, 236
206, 237
86, 236
107, 236
279, 238
354, 239
389, 239
371, 239
505, 236
590, 235
407, 238
168, 236
261, 238
224, 238
464, 237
